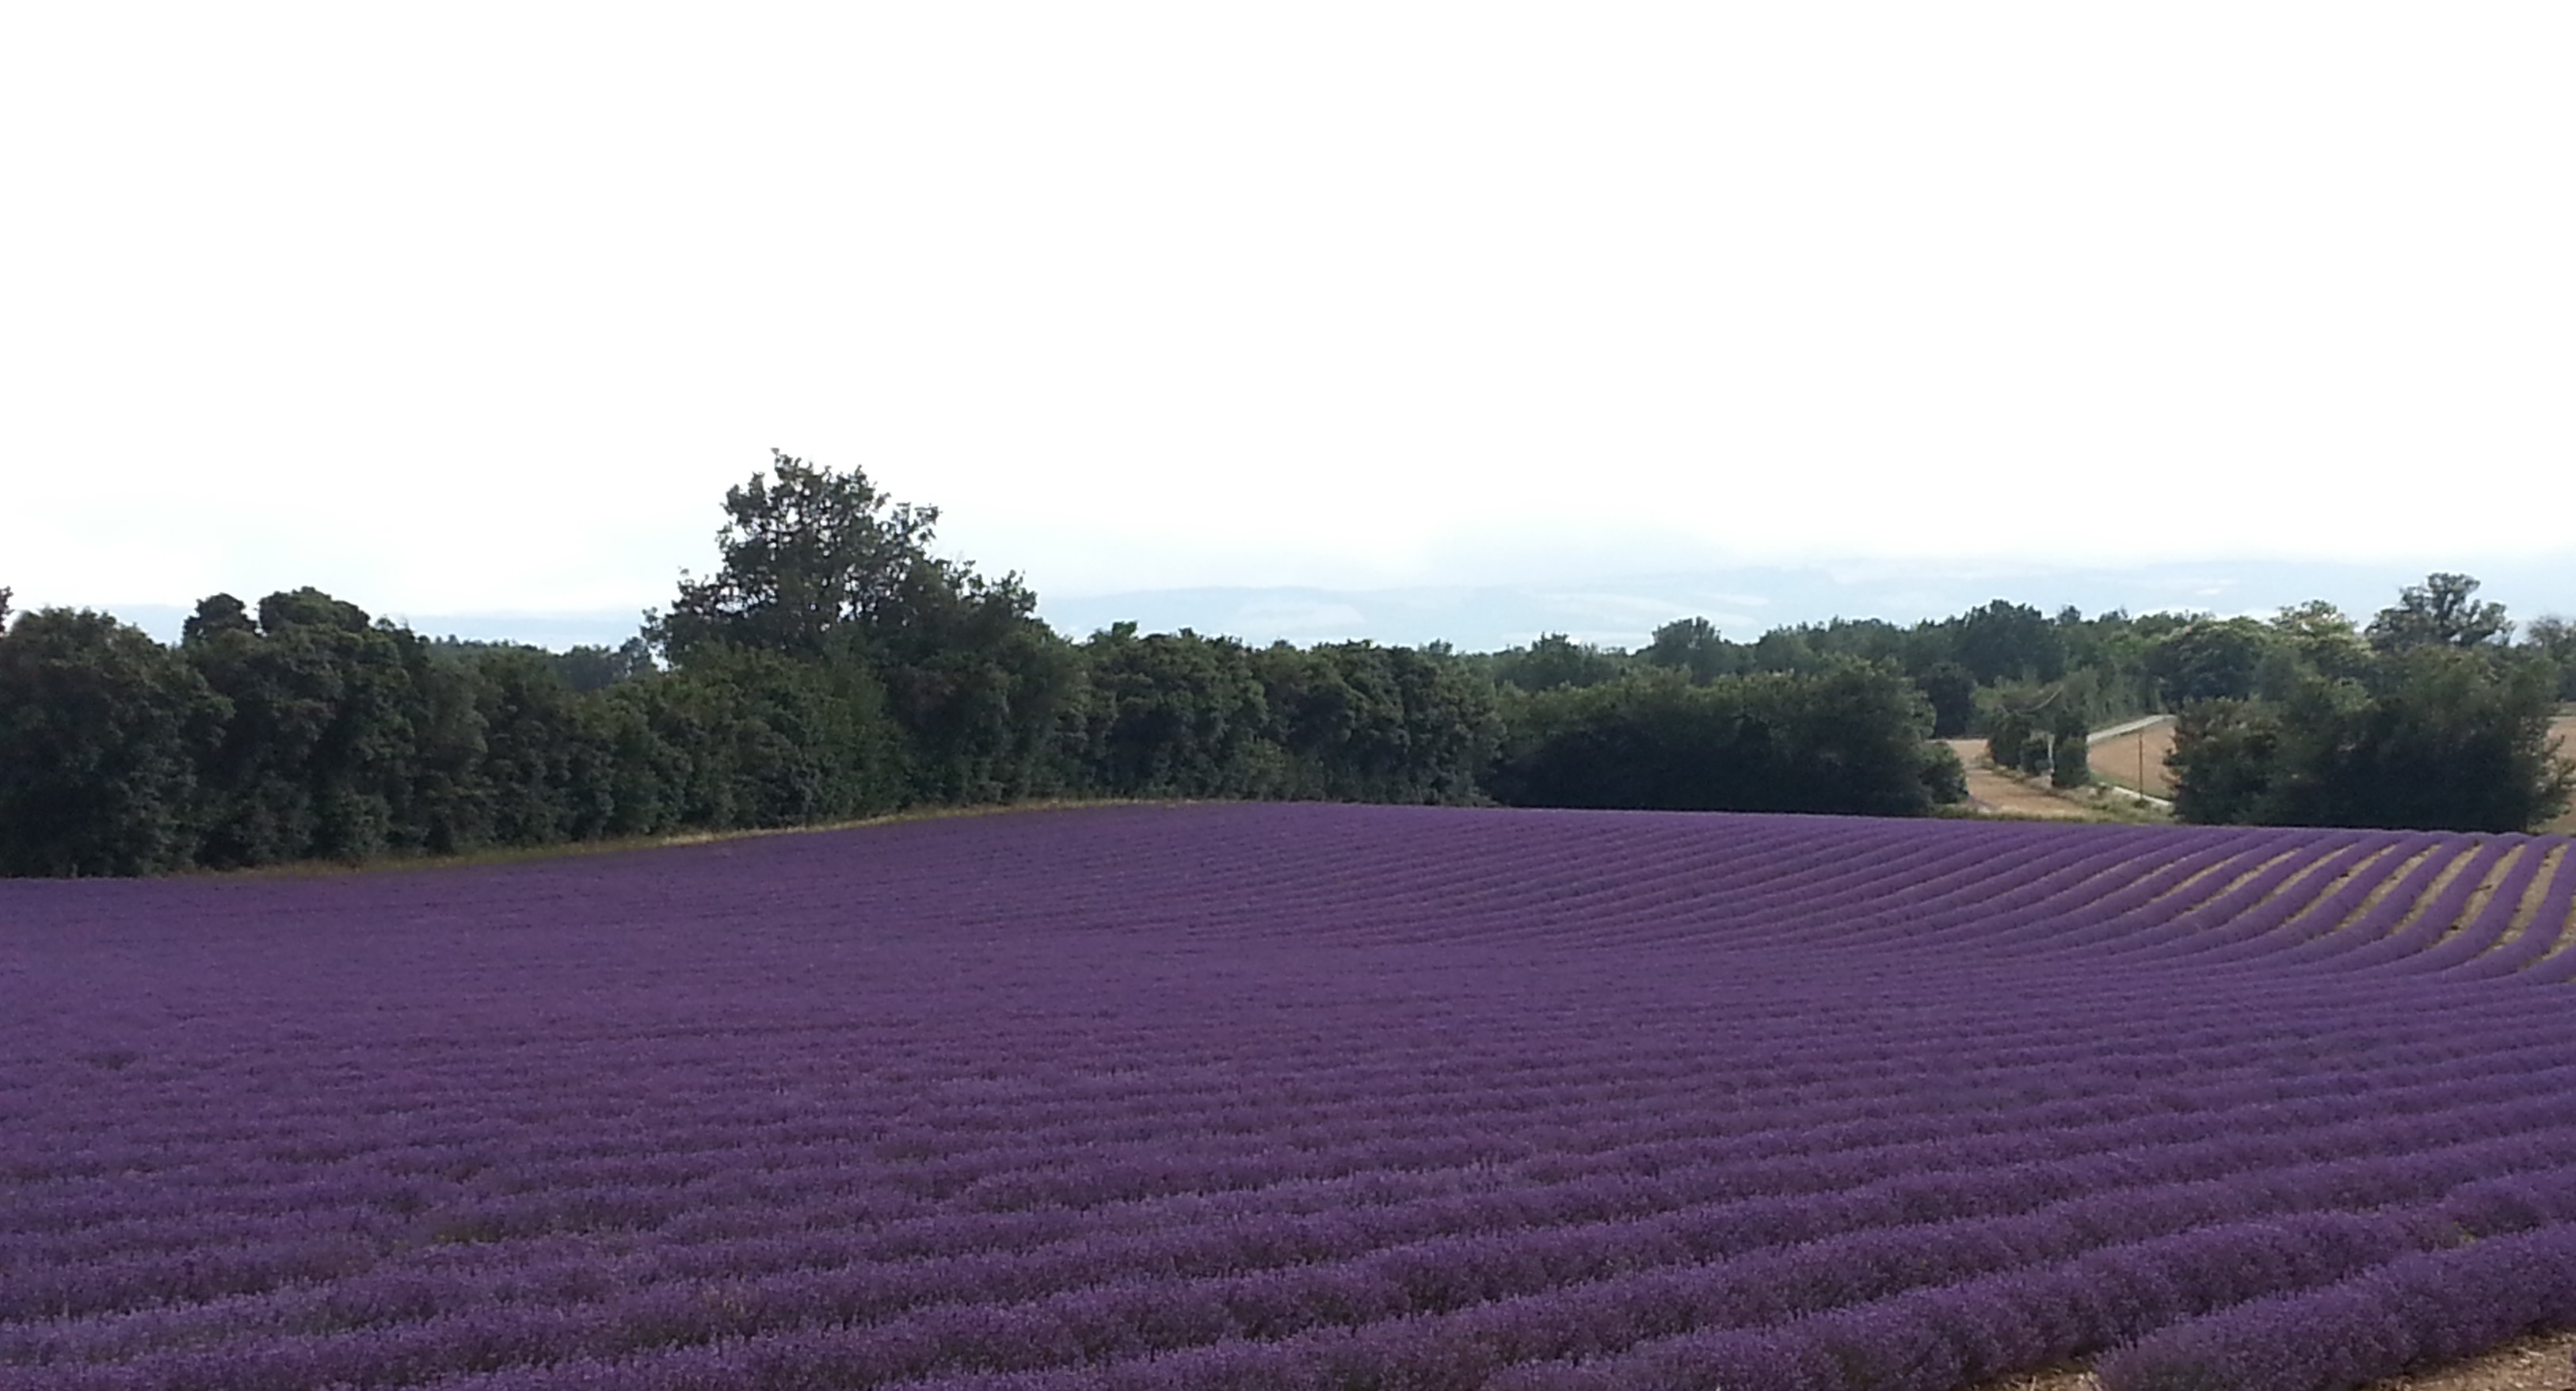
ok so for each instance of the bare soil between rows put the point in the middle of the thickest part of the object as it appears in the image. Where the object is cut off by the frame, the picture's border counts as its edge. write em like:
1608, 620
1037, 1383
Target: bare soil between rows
2543, 1362
2538, 1363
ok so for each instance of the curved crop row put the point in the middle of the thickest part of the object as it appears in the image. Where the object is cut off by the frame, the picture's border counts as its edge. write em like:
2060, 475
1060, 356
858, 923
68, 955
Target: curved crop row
1293, 1096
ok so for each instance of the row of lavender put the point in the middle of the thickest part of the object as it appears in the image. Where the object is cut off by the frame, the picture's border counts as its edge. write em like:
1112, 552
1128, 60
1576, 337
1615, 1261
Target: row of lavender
1283, 1096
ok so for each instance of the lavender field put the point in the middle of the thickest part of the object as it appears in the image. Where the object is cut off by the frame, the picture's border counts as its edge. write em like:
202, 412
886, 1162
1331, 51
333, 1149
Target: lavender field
1300, 1097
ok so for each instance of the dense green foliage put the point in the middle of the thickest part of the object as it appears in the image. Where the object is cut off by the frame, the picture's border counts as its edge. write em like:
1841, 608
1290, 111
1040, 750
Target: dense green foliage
102, 731
2069, 762
835, 667
2209, 659
1848, 738
832, 668
1181, 715
1969, 667
2428, 717
2438, 734
2307, 718
2443, 611
2552, 642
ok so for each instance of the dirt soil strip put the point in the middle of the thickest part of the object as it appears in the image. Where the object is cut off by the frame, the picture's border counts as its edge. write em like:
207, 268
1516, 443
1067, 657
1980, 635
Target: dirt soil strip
2538, 1363
1993, 792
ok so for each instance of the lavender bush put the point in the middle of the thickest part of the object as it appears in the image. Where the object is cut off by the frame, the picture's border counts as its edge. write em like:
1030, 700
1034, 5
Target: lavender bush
1300, 1096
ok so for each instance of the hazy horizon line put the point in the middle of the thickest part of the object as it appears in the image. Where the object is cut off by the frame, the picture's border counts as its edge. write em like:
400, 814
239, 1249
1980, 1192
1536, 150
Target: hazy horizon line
1608, 609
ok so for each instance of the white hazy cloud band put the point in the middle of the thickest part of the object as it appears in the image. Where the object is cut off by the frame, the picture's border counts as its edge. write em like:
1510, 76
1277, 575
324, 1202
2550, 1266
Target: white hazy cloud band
482, 308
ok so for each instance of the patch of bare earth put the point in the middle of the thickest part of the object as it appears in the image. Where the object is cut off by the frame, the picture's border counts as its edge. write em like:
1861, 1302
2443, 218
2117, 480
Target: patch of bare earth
2136, 759
2538, 1363
1993, 793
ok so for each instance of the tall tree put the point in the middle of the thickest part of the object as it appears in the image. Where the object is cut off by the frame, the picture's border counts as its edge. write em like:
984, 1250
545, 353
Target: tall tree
1693, 646
319, 756
2009, 736
1786, 649
2443, 611
2007, 640
2069, 748
2316, 638
1555, 660
101, 729
1952, 691
820, 566
805, 551
2453, 742
2442, 739
2224, 759
2209, 659
2553, 640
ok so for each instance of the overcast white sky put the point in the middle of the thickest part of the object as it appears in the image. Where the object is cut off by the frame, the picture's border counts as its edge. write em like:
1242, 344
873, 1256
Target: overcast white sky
463, 307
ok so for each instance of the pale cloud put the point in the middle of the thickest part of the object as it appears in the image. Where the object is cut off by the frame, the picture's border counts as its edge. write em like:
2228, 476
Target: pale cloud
481, 308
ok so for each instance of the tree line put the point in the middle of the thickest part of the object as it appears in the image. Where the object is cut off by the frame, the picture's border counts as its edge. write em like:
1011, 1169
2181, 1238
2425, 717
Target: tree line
2428, 716
2435, 713
834, 666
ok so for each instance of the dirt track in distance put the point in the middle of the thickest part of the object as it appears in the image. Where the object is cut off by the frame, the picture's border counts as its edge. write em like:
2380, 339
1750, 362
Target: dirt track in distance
1993, 792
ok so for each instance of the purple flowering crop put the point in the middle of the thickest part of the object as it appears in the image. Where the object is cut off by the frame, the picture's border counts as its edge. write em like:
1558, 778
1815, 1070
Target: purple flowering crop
1292, 1096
